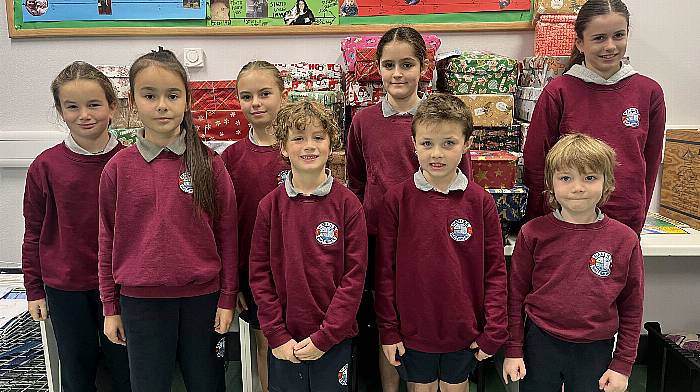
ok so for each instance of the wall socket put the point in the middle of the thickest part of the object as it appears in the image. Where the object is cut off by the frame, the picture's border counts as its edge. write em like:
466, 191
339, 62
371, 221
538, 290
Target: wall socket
193, 57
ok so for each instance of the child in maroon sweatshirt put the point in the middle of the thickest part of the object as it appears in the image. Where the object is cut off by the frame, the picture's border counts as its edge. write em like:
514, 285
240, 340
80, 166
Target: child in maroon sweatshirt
59, 253
577, 278
308, 259
441, 273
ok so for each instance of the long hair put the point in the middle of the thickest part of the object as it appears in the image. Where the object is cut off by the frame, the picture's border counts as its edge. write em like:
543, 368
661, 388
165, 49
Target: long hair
197, 155
588, 11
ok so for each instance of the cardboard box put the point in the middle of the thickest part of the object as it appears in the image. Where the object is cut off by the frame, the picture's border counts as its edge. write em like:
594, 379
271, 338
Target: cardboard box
490, 110
494, 169
558, 6
511, 203
680, 181
525, 101
539, 70
337, 164
498, 139
555, 35
214, 95
477, 73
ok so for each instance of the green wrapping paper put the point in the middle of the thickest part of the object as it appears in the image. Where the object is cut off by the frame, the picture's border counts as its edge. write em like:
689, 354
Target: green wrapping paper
478, 73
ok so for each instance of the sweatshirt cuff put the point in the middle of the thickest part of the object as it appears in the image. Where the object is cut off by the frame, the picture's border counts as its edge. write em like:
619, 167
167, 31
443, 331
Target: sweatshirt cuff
487, 345
514, 352
111, 308
621, 366
389, 336
322, 341
34, 294
279, 338
227, 301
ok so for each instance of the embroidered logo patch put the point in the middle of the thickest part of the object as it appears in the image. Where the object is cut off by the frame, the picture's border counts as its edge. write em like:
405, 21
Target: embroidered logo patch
282, 176
185, 182
343, 376
601, 263
630, 117
460, 230
326, 233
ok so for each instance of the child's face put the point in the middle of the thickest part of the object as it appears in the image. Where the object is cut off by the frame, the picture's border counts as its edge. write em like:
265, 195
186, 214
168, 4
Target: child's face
84, 108
577, 193
307, 150
400, 70
161, 100
260, 97
604, 43
440, 146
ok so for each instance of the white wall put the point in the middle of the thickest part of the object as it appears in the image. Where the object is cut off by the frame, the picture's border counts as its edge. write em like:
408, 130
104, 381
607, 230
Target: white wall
663, 45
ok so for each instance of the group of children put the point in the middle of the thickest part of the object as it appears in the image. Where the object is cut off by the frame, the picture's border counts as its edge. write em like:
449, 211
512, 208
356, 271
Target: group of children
165, 239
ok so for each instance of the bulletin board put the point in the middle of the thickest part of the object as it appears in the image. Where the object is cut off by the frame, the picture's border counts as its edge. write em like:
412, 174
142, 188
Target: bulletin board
55, 18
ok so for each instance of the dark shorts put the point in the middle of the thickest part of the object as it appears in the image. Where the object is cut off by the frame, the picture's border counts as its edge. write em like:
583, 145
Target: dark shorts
250, 316
424, 368
330, 373
551, 362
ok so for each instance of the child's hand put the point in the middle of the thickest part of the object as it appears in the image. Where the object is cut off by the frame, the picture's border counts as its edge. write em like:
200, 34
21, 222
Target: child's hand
613, 381
114, 330
38, 310
241, 304
285, 352
223, 320
480, 355
390, 351
306, 350
515, 368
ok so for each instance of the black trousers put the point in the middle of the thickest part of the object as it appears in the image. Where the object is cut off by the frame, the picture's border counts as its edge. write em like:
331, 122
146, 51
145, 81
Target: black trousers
549, 362
330, 373
78, 324
163, 331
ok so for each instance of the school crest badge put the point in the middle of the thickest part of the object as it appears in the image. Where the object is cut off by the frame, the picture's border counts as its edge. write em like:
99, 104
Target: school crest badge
460, 230
601, 264
343, 376
185, 182
326, 233
630, 117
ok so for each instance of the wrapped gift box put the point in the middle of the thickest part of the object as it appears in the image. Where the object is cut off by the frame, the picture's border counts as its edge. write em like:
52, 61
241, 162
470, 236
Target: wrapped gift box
311, 76
539, 70
350, 45
490, 110
525, 100
498, 139
524, 127
126, 136
214, 95
511, 203
220, 124
494, 169
337, 163
477, 73
555, 35
548, 7
680, 183
366, 65
313, 85
119, 76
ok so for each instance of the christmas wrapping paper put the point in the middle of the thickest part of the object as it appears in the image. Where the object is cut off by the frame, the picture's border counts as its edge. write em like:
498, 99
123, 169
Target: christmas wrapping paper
350, 45
490, 110
226, 125
525, 101
498, 139
511, 203
494, 169
119, 76
311, 76
547, 7
313, 85
126, 136
214, 95
539, 70
477, 73
555, 35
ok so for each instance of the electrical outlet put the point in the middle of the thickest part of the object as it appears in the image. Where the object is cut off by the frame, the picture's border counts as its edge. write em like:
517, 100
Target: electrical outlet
193, 57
